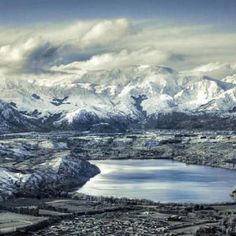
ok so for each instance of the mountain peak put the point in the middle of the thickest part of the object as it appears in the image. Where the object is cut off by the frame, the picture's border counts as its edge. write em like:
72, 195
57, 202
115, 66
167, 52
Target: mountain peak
102, 96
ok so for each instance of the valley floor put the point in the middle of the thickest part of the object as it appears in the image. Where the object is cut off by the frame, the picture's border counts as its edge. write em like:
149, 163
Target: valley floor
75, 214
87, 215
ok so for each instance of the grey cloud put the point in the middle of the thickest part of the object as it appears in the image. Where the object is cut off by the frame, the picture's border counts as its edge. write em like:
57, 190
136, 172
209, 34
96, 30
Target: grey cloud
41, 58
111, 43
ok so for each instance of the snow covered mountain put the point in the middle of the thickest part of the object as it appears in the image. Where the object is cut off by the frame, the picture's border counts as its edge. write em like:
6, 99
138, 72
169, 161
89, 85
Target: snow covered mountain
119, 98
51, 178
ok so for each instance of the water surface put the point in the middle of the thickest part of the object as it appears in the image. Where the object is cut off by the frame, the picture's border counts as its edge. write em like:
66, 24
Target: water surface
161, 180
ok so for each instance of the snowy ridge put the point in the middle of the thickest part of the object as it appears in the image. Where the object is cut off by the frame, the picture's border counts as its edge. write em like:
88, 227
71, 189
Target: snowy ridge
49, 179
130, 93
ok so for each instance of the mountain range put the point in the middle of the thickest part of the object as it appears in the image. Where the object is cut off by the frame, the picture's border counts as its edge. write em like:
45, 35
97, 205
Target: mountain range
134, 97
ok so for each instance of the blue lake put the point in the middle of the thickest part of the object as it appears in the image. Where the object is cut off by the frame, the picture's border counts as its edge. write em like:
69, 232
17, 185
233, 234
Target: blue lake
161, 180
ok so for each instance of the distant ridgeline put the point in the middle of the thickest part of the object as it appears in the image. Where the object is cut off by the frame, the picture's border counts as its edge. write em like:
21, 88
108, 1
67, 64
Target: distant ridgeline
13, 120
120, 100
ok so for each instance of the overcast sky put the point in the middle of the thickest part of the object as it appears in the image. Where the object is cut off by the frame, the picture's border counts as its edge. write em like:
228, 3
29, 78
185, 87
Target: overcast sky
67, 35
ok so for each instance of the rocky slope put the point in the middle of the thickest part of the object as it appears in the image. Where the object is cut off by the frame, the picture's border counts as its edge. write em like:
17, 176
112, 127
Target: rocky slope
51, 178
130, 97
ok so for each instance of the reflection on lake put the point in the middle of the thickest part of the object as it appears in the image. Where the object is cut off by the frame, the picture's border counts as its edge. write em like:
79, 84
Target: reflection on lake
161, 180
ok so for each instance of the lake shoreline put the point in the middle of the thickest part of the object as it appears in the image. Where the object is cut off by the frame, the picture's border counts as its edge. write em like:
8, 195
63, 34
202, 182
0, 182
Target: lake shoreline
161, 180
202, 148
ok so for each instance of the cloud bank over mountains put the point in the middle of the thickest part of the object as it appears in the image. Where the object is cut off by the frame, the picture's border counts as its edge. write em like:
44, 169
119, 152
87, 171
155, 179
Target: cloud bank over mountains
109, 44
81, 63
108, 61
117, 72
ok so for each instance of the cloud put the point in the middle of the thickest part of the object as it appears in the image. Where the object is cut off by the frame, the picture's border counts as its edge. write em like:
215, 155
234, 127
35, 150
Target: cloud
31, 55
38, 48
120, 59
105, 32
13, 55
106, 44
200, 44
215, 70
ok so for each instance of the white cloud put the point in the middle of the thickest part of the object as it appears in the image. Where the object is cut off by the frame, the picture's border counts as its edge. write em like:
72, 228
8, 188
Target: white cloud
30, 55
12, 56
121, 59
105, 32
16, 52
216, 70
32, 48
106, 44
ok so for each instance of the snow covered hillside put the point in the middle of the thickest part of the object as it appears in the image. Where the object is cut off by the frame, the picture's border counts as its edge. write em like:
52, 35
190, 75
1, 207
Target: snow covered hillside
49, 179
76, 98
